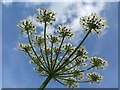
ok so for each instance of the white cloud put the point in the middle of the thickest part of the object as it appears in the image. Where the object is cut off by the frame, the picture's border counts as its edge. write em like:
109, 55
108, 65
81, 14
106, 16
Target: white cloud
80, 10
31, 18
67, 10
38, 2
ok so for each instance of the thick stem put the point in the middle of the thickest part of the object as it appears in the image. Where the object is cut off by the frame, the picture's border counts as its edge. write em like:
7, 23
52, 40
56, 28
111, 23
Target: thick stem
42, 87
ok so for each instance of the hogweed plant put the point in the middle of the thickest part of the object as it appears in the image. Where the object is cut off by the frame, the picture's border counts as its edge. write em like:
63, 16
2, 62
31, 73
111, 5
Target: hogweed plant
60, 61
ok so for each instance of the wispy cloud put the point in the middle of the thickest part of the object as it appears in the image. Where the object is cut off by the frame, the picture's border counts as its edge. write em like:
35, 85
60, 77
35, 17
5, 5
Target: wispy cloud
70, 13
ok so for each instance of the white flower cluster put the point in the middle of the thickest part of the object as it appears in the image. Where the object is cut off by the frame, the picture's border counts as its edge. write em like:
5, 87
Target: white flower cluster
56, 50
26, 26
94, 23
24, 47
48, 51
81, 52
38, 40
45, 15
35, 58
78, 74
53, 39
67, 47
80, 62
39, 70
70, 82
94, 77
64, 31
98, 63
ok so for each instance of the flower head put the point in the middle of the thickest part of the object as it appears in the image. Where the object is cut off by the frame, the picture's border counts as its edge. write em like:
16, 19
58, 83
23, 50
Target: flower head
68, 47
70, 82
26, 26
80, 62
45, 15
94, 23
53, 39
25, 48
38, 40
98, 63
56, 50
94, 77
78, 74
82, 52
64, 31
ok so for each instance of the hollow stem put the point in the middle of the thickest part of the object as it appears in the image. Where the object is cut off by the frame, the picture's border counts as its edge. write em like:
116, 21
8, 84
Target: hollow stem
42, 87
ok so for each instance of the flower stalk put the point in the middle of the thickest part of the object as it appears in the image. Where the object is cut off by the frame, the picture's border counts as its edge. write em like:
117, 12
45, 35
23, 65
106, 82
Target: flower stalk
46, 45
45, 83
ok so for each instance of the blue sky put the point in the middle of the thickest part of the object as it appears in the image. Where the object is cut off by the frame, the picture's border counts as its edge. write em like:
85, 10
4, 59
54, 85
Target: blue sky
18, 73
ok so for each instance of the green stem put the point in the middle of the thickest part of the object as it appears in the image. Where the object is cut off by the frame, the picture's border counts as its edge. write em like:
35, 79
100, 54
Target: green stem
75, 81
61, 60
58, 52
69, 62
42, 87
51, 54
68, 69
35, 51
59, 81
35, 61
45, 45
43, 57
62, 73
75, 50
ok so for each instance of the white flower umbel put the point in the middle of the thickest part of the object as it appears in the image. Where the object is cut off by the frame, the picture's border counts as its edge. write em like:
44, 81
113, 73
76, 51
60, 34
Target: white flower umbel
94, 77
24, 47
53, 39
45, 15
70, 82
98, 63
38, 40
64, 31
67, 47
94, 23
26, 26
